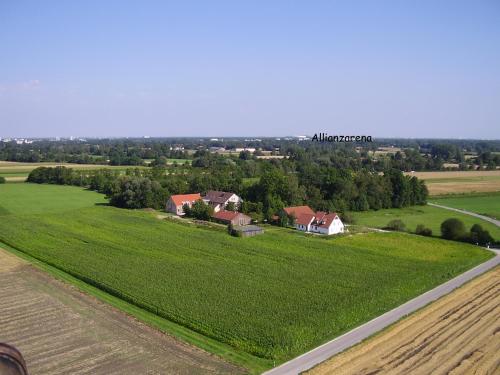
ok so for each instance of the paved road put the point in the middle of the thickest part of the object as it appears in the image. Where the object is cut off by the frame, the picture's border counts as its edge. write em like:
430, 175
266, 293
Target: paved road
491, 220
325, 351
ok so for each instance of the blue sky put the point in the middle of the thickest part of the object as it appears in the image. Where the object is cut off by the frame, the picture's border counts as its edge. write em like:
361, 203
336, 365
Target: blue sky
211, 68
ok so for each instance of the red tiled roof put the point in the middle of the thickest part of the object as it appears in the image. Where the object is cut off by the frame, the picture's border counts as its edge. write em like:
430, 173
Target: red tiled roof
225, 215
304, 219
180, 199
325, 219
298, 210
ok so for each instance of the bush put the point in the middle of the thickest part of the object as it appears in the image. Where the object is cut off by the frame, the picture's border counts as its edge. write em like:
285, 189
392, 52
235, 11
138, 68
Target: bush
423, 231
2, 180
199, 210
479, 236
396, 225
453, 229
348, 218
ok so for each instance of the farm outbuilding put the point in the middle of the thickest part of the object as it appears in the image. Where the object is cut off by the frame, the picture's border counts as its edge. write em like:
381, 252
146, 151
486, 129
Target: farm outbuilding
231, 217
247, 230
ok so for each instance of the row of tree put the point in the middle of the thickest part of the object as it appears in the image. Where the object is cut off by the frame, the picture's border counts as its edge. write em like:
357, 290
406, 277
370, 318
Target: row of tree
279, 185
451, 229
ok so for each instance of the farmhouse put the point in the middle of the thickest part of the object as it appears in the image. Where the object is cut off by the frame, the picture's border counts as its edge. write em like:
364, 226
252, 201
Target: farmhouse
220, 199
320, 222
231, 217
176, 202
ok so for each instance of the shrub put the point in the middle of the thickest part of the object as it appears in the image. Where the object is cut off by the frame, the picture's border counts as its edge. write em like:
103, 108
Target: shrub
453, 229
348, 218
396, 225
480, 236
423, 231
2, 180
199, 210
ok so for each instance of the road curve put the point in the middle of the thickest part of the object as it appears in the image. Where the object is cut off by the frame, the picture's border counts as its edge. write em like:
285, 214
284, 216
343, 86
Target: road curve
341, 343
490, 219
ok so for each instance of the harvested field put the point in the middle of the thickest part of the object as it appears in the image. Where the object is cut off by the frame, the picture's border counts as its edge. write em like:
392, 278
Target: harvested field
453, 174
459, 334
455, 182
63, 331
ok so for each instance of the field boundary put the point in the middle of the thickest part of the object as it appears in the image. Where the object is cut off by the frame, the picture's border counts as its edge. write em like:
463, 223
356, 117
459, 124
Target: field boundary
254, 365
323, 352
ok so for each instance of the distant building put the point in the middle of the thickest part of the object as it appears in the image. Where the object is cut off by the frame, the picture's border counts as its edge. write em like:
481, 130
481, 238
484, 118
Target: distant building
296, 211
307, 220
247, 230
231, 217
320, 222
176, 202
220, 199
249, 149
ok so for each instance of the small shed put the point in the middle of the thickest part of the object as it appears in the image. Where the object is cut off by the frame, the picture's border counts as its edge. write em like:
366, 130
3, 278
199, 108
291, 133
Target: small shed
247, 230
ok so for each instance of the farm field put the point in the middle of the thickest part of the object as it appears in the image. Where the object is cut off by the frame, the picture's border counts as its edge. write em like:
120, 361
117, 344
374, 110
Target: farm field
60, 330
455, 182
18, 172
288, 292
431, 217
457, 334
484, 204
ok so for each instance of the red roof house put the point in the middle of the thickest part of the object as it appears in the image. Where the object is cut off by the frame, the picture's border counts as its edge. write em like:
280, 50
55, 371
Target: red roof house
320, 222
176, 202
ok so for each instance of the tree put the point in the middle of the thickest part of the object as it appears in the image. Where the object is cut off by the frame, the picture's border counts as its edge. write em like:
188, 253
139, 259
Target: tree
422, 230
200, 210
231, 206
453, 229
480, 236
396, 224
2, 180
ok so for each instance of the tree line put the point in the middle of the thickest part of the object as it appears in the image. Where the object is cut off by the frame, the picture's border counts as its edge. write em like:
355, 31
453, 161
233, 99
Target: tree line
273, 184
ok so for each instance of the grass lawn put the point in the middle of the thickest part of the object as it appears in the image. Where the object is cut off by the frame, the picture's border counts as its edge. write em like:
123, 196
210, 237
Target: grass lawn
484, 204
431, 217
26, 199
272, 296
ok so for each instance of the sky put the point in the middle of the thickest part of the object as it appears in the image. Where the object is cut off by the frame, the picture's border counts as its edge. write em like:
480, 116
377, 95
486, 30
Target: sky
250, 68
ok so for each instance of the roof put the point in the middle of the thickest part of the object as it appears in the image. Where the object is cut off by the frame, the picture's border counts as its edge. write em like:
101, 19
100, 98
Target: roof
226, 215
248, 228
218, 196
324, 220
180, 199
304, 219
298, 210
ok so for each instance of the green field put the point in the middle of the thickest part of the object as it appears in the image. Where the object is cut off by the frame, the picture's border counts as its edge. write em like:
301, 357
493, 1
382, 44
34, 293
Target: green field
28, 199
484, 204
431, 217
18, 172
274, 296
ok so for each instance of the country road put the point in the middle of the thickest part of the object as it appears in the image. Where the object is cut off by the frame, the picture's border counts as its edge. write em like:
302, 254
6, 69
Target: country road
341, 343
486, 218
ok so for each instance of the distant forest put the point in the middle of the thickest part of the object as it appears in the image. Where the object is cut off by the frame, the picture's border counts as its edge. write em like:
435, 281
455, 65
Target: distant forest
335, 183
269, 173
402, 154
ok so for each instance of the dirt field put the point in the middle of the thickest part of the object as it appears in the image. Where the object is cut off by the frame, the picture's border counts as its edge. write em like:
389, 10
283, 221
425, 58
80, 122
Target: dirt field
457, 335
63, 331
440, 183
453, 174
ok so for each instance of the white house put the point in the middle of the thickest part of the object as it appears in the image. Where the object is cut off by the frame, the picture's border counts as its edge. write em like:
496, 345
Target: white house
320, 222
220, 199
